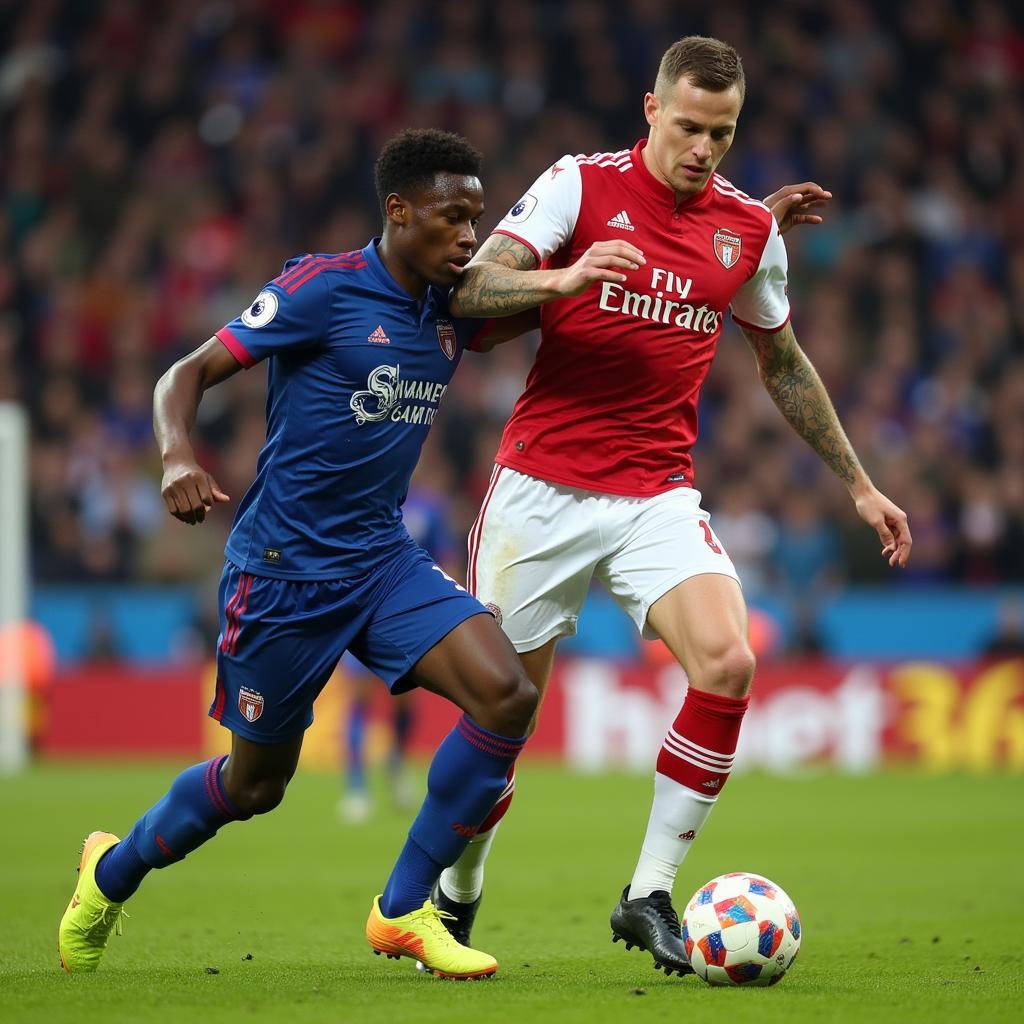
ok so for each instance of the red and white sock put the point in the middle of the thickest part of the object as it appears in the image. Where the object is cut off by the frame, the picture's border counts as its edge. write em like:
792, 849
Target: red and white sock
464, 880
693, 766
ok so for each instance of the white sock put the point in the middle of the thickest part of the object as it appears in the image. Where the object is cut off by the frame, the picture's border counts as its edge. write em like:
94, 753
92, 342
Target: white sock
677, 815
464, 880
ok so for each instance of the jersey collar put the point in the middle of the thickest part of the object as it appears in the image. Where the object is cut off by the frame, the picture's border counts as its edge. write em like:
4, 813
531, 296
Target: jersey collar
660, 191
433, 301
381, 274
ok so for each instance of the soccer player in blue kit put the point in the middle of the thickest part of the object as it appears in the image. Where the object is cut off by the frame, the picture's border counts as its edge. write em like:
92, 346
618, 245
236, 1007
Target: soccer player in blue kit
361, 349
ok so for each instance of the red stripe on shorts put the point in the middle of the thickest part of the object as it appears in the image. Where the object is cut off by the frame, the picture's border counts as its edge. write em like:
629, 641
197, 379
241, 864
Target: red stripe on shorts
477, 529
228, 608
218, 700
239, 612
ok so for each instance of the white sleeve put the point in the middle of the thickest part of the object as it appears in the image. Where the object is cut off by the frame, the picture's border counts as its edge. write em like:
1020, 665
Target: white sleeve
545, 218
762, 302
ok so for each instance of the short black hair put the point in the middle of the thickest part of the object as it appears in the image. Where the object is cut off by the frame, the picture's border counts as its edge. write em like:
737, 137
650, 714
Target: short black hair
414, 157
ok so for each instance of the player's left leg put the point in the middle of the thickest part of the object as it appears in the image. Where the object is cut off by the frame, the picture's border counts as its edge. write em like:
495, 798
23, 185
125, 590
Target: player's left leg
430, 632
476, 668
703, 622
459, 890
671, 574
268, 676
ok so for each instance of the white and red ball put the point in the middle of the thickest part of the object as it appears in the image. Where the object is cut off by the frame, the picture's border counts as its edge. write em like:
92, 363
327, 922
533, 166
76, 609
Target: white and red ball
741, 929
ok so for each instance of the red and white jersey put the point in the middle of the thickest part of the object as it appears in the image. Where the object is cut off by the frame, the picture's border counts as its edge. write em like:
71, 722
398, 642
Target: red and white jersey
610, 404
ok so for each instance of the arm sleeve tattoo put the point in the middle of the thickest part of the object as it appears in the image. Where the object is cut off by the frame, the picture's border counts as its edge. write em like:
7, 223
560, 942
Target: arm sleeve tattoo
797, 390
500, 280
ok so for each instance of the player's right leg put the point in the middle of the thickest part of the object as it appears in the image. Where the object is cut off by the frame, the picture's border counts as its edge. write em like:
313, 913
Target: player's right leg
532, 553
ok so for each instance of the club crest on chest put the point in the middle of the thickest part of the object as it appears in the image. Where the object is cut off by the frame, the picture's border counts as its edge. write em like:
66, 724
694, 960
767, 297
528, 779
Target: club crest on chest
446, 338
727, 247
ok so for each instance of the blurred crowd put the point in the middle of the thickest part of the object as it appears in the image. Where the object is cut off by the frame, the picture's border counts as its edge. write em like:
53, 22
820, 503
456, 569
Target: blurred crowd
162, 159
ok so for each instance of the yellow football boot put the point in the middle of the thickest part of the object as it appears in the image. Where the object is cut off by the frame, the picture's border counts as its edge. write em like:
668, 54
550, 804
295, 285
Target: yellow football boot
90, 917
422, 935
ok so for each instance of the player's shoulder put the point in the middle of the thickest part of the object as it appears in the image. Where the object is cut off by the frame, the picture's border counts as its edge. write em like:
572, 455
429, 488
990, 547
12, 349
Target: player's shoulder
574, 166
298, 271
603, 163
728, 197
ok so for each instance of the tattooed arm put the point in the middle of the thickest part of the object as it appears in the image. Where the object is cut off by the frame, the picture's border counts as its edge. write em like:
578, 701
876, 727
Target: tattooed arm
797, 390
500, 279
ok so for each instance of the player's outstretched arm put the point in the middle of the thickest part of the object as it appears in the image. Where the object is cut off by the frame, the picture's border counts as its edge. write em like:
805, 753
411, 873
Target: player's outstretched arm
797, 390
791, 204
500, 279
189, 492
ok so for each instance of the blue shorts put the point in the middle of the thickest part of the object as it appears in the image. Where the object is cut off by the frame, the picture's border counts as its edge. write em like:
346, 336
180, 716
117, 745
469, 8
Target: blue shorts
281, 639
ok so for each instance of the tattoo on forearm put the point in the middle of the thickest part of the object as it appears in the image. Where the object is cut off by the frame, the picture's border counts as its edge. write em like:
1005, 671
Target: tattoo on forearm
494, 283
797, 390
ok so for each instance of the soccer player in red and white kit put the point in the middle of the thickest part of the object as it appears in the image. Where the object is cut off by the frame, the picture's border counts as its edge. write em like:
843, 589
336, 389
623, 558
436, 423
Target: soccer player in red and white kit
641, 252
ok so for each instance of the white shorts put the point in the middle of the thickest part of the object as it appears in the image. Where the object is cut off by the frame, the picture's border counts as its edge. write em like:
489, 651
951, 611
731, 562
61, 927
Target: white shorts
535, 547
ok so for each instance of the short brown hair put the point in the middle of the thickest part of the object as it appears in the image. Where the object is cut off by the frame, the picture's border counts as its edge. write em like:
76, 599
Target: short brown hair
708, 63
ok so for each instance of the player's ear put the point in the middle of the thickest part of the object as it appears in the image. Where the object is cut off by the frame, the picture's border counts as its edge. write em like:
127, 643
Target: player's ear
396, 209
651, 107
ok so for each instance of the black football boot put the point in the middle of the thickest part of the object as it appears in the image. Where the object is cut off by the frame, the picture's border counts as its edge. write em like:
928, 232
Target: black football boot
651, 923
460, 924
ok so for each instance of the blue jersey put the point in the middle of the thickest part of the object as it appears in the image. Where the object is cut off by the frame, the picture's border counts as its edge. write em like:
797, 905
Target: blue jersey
358, 369
424, 515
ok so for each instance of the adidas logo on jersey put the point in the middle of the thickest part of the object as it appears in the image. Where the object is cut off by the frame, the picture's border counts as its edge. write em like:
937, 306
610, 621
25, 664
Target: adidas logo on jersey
378, 337
621, 221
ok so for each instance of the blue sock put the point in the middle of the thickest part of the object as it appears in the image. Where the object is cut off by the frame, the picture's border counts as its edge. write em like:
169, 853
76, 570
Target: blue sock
466, 777
190, 813
357, 746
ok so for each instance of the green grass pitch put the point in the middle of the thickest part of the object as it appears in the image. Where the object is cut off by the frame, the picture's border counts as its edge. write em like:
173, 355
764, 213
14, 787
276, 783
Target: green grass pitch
911, 891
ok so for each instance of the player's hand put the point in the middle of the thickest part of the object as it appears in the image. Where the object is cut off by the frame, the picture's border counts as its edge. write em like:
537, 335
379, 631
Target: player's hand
603, 261
889, 521
189, 492
790, 205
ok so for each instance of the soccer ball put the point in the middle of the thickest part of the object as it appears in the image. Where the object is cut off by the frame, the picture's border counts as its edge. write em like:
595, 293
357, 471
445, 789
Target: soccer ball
741, 929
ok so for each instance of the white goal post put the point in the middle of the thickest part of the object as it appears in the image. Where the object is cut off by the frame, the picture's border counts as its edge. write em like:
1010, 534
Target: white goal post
14, 543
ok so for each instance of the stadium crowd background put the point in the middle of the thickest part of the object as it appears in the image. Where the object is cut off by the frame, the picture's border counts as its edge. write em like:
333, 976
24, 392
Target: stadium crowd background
161, 160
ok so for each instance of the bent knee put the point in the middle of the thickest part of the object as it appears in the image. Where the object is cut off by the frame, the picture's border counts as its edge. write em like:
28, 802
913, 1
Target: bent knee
511, 701
258, 796
729, 672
